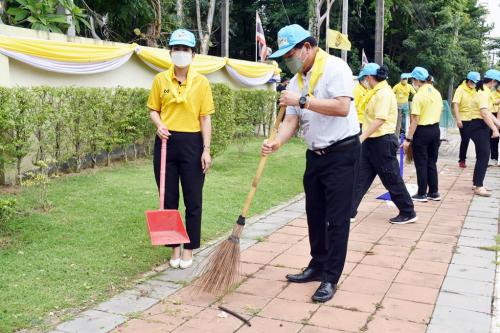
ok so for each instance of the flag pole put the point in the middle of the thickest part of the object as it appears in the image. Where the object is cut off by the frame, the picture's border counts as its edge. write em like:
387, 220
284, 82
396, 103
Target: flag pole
326, 35
256, 47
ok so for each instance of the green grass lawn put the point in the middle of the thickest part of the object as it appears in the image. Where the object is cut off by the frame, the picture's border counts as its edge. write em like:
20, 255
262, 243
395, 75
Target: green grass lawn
93, 242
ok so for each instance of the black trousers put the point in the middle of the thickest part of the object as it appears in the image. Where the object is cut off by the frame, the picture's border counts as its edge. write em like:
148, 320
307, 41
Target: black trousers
328, 185
184, 152
494, 145
426, 142
378, 157
464, 142
479, 133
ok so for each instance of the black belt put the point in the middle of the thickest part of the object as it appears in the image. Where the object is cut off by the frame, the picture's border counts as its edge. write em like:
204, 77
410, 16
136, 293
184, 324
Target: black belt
340, 145
428, 125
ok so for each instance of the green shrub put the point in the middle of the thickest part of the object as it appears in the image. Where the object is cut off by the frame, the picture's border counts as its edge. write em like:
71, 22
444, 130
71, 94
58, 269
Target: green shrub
223, 120
253, 109
7, 210
73, 126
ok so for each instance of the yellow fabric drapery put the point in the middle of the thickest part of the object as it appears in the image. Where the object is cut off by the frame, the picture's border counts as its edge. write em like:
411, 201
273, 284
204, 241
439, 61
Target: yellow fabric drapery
79, 53
64, 51
252, 69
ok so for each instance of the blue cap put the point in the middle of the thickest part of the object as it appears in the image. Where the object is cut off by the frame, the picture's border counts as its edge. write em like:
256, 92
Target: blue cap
182, 37
405, 76
369, 69
420, 73
492, 74
288, 37
474, 76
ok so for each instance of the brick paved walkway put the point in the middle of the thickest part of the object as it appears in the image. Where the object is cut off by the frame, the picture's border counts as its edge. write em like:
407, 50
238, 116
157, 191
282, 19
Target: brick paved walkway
391, 281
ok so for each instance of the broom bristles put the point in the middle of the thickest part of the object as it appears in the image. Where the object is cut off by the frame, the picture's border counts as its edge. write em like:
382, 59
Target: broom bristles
409, 155
222, 270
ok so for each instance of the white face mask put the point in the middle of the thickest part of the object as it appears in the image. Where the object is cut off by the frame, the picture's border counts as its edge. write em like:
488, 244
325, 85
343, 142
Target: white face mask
181, 59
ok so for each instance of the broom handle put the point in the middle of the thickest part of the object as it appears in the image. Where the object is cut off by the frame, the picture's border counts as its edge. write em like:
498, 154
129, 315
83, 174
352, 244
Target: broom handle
163, 171
262, 163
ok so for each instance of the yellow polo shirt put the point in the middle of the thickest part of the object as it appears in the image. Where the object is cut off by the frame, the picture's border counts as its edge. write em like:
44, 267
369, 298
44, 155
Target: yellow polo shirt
359, 92
382, 105
427, 104
183, 115
496, 98
403, 92
465, 97
484, 100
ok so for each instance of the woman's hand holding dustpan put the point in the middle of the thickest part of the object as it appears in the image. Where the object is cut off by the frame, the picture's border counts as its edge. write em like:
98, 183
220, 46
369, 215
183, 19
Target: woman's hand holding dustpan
165, 225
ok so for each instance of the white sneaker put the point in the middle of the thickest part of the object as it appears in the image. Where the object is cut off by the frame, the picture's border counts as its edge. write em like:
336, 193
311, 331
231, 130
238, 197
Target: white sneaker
175, 263
493, 163
186, 264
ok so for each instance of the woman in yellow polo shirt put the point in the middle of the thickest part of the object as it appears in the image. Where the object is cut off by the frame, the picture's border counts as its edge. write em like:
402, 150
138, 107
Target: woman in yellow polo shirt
495, 96
463, 104
482, 122
403, 91
424, 134
380, 145
359, 92
180, 105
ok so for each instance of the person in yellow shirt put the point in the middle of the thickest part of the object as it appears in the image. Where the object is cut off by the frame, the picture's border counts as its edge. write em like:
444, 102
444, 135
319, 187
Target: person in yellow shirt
484, 126
463, 103
424, 134
359, 92
380, 145
180, 105
403, 91
495, 96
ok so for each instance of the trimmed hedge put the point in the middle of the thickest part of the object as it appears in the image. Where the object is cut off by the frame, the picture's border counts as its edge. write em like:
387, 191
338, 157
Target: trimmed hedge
75, 126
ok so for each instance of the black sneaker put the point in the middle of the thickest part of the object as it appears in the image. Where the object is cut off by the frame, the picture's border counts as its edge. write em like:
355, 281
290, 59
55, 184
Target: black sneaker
401, 219
434, 196
419, 198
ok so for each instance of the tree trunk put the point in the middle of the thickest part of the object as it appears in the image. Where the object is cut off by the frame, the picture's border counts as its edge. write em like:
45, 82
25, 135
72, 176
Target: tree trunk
18, 168
58, 146
108, 158
135, 151
125, 155
179, 8
205, 37
154, 29
312, 18
78, 158
317, 16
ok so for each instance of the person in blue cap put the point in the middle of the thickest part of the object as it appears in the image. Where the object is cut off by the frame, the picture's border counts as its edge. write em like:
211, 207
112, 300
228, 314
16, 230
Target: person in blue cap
380, 145
463, 104
320, 99
403, 91
180, 104
424, 134
484, 126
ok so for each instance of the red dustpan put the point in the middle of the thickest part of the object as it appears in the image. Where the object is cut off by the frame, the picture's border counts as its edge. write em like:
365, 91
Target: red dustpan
165, 225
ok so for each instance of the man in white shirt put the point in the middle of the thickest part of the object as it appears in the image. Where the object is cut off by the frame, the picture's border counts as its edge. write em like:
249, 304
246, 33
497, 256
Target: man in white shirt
320, 99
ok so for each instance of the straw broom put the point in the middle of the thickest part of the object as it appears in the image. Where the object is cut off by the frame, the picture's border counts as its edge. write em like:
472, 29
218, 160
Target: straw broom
223, 267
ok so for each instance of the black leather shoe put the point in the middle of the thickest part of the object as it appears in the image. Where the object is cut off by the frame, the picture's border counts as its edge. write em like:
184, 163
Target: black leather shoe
308, 274
325, 292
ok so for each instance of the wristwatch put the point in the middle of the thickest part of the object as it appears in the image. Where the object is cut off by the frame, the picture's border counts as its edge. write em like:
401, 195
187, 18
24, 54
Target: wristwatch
303, 101
408, 140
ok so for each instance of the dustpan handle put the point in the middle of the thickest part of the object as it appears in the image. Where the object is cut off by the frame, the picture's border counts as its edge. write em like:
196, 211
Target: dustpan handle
163, 171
